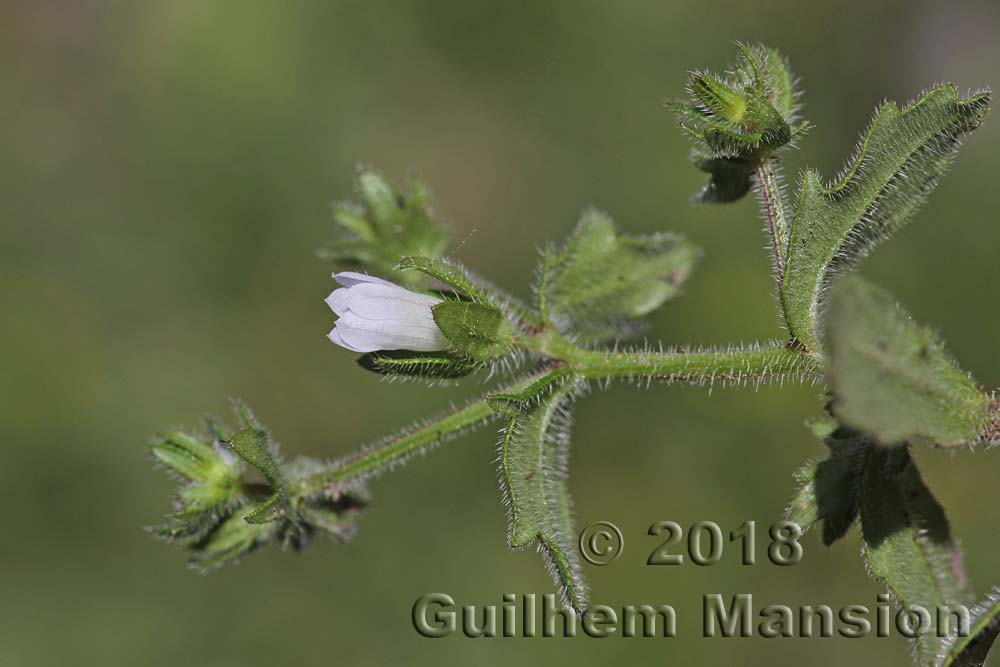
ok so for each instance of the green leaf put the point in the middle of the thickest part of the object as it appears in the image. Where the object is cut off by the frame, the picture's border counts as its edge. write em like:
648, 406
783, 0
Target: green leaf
908, 542
385, 227
972, 650
892, 377
432, 365
478, 331
533, 456
898, 162
601, 276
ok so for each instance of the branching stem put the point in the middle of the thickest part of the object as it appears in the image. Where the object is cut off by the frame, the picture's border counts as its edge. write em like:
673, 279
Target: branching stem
472, 415
775, 362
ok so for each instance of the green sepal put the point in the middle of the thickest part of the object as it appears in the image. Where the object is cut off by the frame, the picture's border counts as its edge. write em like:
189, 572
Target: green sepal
385, 226
731, 179
600, 275
212, 488
335, 516
478, 331
231, 540
270, 510
770, 72
469, 287
448, 273
189, 456
221, 492
892, 377
251, 445
193, 523
899, 161
719, 98
433, 365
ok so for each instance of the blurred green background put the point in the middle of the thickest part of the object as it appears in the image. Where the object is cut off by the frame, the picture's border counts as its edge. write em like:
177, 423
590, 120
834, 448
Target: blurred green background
166, 174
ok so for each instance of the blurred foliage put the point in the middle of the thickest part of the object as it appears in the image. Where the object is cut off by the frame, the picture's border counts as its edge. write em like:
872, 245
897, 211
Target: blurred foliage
166, 177
388, 226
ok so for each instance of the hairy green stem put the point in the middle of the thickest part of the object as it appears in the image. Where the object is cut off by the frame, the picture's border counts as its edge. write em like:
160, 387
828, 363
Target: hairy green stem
772, 201
737, 366
364, 462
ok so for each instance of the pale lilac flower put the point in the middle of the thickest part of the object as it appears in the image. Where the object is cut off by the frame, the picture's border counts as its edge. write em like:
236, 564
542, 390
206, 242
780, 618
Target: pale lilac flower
375, 314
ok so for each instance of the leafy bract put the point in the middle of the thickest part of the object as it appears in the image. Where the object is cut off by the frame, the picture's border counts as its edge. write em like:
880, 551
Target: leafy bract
600, 279
908, 544
534, 448
892, 377
972, 649
898, 162
828, 489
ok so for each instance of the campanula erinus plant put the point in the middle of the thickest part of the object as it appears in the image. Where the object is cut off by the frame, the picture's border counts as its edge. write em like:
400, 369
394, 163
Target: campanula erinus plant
888, 382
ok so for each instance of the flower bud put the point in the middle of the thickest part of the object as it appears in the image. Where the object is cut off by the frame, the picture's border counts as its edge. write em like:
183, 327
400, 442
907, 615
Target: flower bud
375, 314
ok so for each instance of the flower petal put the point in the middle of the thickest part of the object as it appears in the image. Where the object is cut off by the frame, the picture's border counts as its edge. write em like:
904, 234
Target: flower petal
352, 278
338, 301
335, 337
381, 302
365, 335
